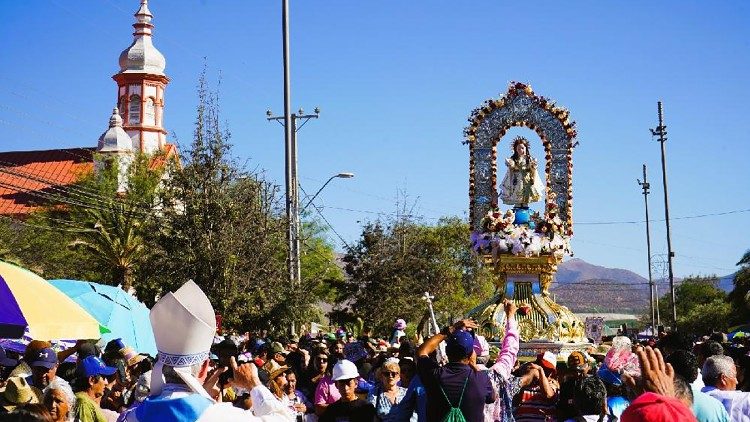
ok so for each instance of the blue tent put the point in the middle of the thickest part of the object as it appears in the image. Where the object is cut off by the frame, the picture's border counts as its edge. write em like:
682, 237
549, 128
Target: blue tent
124, 315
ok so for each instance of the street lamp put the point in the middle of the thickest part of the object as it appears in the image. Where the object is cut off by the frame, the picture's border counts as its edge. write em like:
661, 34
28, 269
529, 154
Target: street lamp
340, 175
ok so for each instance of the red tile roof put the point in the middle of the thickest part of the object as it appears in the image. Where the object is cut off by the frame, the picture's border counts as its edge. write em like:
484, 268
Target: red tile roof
28, 178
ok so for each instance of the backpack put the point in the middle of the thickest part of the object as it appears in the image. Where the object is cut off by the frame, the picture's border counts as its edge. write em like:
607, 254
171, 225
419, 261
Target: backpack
455, 415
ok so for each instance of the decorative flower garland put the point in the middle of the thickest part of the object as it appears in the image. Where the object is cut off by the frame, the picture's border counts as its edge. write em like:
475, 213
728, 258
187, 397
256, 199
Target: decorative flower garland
515, 89
543, 236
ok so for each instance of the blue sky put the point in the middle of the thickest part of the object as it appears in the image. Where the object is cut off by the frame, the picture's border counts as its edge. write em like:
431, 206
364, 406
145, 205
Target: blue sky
396, 82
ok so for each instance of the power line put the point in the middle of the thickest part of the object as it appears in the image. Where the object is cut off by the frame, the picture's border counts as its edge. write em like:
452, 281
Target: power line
689, 217
326, 221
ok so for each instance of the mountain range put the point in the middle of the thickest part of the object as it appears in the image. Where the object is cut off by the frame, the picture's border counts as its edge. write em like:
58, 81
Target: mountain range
585, 287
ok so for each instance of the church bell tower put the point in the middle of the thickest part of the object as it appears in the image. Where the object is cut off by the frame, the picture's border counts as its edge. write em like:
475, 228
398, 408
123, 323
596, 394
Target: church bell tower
140, 87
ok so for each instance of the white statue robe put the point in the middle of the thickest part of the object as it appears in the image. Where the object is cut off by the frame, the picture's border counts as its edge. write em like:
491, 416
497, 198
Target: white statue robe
521, 184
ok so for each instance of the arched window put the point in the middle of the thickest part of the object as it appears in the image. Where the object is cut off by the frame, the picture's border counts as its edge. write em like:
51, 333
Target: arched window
149, 116
134, 113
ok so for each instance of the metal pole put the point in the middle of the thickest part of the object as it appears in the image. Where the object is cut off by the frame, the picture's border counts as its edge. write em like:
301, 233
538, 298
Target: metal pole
288, 149
646, 186
661, 130
295, 206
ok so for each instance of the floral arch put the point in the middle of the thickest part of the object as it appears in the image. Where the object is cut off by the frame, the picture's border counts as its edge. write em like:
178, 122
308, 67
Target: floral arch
520, 106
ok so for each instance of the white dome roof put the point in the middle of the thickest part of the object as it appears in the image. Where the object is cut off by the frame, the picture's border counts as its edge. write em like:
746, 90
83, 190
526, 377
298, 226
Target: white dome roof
142, 56
115, 139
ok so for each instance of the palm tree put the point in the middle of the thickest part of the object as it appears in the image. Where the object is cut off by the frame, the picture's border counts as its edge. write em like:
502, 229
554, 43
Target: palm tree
114, 240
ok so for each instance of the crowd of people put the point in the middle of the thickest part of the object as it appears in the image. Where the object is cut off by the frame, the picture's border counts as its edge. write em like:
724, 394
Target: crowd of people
452, 376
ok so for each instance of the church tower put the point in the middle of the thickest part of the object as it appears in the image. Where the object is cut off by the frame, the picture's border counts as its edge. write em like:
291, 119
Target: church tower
140, 87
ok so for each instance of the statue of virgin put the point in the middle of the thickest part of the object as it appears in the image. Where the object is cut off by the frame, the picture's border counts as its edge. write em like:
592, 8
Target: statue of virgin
521, 184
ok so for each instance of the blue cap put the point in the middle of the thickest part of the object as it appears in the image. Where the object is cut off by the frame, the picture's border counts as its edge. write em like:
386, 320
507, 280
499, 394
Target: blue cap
46, 358
608, 376
5, 360
460, 342
92, 366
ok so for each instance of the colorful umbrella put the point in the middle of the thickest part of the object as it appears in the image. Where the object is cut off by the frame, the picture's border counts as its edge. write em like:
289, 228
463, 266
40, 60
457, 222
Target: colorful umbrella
27, 300
124, 315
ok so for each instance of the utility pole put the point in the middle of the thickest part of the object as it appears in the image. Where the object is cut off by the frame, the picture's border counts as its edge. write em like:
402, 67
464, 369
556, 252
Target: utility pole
293, 209
290, 157
661, 131
645, 185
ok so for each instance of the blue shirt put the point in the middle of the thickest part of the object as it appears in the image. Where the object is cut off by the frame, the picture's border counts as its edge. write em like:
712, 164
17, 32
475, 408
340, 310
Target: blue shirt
385, 410
706, 408
413, 407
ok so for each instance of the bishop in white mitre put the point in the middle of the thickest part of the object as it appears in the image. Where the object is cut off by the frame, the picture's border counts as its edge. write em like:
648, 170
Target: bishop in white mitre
184, 324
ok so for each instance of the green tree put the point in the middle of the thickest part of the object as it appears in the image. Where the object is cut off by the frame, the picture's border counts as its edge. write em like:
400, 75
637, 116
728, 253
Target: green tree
701, 306
115, 219
223, 227
395, 262
739, 297
90, 230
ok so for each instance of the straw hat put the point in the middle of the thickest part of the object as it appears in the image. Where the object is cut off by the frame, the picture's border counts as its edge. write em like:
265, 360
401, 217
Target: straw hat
274, 369
130, 356
18, 392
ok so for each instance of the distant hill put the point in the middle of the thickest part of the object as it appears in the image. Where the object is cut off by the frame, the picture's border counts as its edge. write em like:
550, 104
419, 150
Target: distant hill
585, 287
726, 283
576, 269
602, 295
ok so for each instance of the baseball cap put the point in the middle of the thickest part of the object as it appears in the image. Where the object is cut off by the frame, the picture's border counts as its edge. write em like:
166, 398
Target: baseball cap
650, 407
460, 342
576, 360
547, 360
276, 347
46, 358
114, 346
92, 366
344, 370
608, 376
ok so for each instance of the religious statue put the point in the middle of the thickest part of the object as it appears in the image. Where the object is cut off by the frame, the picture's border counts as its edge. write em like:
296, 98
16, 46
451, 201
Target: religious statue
521, 184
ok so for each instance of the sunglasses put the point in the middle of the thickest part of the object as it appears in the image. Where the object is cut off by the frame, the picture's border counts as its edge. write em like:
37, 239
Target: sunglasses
322, 359
390, 374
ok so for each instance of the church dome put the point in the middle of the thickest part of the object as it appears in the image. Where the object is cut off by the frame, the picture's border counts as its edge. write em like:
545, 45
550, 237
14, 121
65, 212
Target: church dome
115, 139
142, 56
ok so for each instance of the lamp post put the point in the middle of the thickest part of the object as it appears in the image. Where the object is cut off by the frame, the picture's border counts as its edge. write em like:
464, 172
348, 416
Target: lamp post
340, 175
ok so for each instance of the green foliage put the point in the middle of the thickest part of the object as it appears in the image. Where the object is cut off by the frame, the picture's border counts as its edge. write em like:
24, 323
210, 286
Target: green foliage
739, 297
91, 230
394, 263
701, 306
116, 216
223, 227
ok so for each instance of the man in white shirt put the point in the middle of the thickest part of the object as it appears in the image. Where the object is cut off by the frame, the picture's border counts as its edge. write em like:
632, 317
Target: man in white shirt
720, 377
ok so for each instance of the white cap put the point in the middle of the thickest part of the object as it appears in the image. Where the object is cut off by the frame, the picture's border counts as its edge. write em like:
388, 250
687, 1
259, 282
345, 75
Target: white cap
344, 370
184, 325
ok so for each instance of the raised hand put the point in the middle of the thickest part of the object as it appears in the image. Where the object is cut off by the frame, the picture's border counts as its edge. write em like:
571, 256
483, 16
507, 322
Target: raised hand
656, 376
510, 308
245, 375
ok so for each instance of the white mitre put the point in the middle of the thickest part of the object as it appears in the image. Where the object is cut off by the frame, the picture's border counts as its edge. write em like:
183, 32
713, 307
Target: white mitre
184, 325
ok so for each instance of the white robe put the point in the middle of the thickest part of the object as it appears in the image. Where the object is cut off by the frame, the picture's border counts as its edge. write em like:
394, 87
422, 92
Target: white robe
520, 180
265, 408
